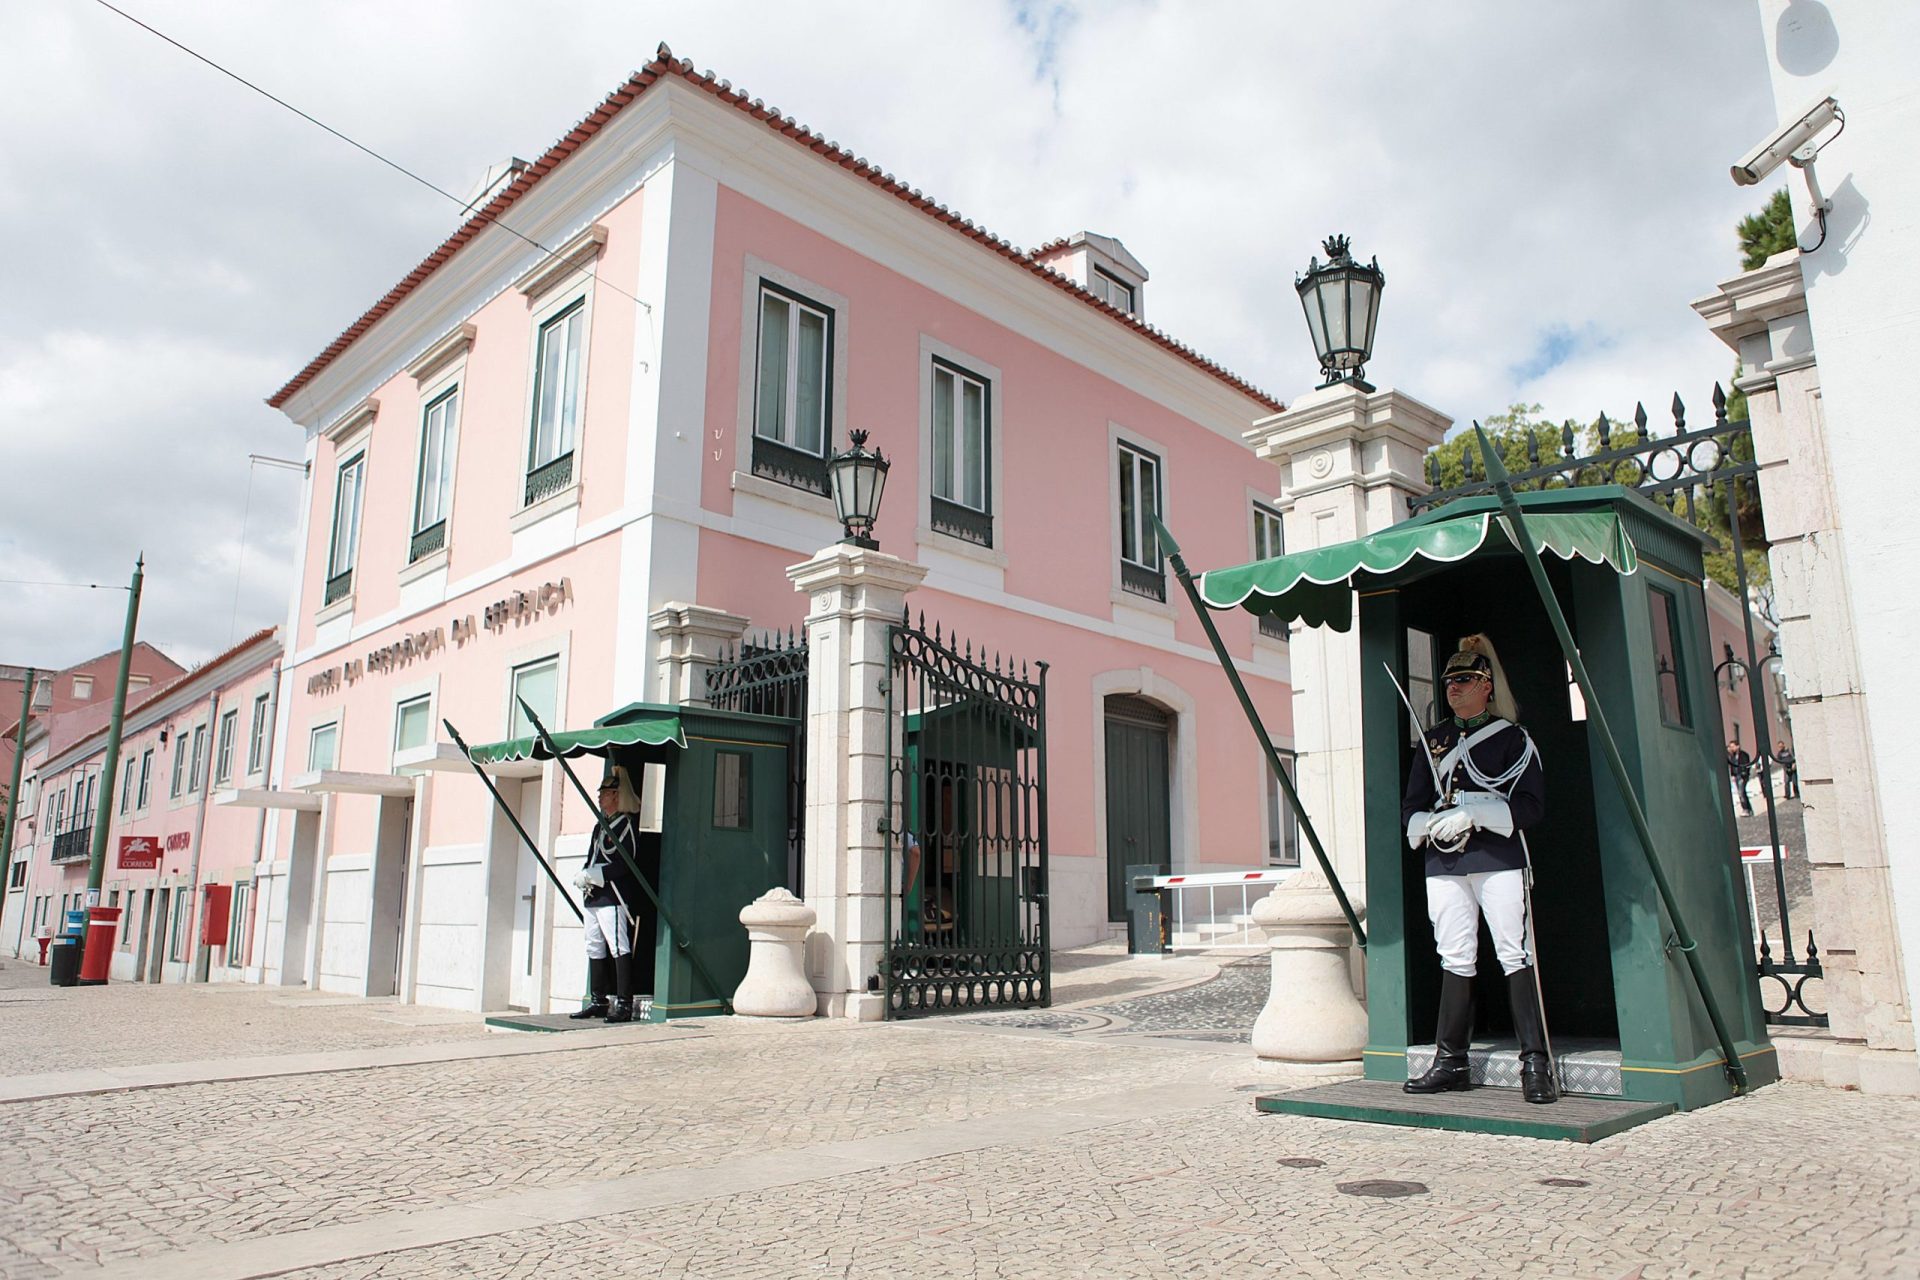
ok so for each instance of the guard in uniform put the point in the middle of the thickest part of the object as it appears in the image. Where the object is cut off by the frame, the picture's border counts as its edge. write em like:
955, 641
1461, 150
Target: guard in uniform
609, 891
1490, 791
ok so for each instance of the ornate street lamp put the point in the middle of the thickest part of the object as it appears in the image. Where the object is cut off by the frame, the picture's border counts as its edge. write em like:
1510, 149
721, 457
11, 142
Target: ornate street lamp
858, 479
1342, 301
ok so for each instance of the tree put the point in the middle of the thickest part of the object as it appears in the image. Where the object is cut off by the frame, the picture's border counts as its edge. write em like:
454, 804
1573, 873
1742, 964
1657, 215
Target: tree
1767, 232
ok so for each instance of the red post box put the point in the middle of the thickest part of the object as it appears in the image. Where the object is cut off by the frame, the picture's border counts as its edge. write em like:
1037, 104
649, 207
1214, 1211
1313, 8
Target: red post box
213, 914
97, 956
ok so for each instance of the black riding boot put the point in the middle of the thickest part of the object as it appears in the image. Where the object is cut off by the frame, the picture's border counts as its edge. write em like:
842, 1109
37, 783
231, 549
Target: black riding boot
1536, 1066
599, 978
1451, 1039
622, 989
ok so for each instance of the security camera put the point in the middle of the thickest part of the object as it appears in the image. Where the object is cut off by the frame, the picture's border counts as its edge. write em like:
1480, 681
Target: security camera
1790, 142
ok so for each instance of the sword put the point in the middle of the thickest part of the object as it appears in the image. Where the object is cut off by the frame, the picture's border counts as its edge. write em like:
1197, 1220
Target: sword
1420, 730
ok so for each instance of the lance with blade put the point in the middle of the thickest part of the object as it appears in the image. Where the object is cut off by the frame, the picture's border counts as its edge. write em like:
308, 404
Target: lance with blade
682, 940
507, 809
1259, 729
1516, 521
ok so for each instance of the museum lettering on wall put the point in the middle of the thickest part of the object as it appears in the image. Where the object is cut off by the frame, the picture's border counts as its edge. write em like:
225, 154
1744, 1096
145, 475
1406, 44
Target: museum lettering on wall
515, 610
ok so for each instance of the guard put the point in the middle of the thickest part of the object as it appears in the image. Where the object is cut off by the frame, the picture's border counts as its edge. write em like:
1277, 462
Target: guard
608, 890
1467, 802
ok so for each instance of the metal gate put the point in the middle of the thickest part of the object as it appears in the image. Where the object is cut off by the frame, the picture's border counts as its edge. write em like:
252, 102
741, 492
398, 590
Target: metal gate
1690, 472
966, 865
768, 677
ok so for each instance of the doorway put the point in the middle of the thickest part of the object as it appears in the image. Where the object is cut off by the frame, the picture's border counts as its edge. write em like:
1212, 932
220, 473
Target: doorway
146, 915
158, 917
520, 965
1139, 736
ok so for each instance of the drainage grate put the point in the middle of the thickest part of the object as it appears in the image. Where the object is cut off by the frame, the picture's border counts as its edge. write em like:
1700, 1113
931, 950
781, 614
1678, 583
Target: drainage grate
1386, 1187
1565, 1182
1300, 1162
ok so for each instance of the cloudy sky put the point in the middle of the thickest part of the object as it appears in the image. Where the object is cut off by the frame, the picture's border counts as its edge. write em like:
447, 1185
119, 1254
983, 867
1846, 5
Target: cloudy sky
1545, 186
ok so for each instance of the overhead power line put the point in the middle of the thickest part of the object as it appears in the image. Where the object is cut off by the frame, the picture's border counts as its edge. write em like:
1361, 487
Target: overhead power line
395, 165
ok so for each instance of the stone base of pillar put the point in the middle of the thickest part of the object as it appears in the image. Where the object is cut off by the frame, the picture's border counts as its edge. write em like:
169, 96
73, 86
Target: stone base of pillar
1312, 1018
856, 1006
776, 984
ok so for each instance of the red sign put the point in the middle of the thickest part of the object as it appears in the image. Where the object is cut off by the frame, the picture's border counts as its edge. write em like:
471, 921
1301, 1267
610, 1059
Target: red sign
1760, 853
138, 853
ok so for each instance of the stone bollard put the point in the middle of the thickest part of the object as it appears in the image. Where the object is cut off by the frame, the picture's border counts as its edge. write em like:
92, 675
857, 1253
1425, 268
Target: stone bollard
1313, 1023
776, 984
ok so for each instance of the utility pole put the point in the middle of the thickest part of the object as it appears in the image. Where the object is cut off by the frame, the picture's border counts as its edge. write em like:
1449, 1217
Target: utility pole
13, 792
103, 815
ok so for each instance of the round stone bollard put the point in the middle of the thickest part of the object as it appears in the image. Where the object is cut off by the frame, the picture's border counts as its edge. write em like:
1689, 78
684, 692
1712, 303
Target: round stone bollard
1312, 1022
776, 984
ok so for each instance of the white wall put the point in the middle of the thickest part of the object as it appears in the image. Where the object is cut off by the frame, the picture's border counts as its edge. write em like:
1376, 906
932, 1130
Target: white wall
1860, 295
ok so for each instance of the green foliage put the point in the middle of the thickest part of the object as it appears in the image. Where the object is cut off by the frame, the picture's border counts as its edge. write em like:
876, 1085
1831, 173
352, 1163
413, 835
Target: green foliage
1767, 232
1510, 433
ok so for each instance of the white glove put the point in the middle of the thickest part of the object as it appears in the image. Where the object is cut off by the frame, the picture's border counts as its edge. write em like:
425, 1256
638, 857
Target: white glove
1417, 828
1489, 812
581, 884
1450, 826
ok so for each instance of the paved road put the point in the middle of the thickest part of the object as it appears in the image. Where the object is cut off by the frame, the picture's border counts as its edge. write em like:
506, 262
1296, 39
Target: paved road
1112, 1136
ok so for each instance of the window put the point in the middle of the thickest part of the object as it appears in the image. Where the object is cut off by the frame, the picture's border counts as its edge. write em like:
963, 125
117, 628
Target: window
539, 683
237, 924
1140, 570
179, 766
790, 389
197, 771
138, 682
1112, 290
257, 736
323, 746
1666, 657
732, 790
146, 772
56, 818
80, 810
556, 403
962, 439
1283, 825
413, 723
1268, 542
82, 687
223, 754
182, 915
85, 817
434, 492
19, 875
126, 784
345, 547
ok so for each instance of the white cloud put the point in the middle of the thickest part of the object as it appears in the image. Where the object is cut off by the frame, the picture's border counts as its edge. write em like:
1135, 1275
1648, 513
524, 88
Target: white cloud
178, 245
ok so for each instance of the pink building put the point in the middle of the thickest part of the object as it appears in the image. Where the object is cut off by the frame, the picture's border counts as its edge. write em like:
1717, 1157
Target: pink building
521, 455
179, 867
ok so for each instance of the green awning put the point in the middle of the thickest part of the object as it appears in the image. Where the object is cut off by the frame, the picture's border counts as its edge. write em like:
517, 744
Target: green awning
1316, 587
649, 731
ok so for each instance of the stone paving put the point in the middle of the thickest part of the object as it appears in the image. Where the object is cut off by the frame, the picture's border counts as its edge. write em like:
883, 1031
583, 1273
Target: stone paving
1119, 1143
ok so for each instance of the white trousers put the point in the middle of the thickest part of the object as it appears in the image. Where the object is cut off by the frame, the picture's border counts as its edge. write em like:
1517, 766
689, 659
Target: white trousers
607, 927
1455, 905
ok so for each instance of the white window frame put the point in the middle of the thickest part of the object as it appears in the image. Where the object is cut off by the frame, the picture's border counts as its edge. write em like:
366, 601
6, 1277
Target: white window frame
1262, 510
126, 785
176, 784
355, 461
576, 306
79, 693
145, 796
257, 732
759, 272
445, 401
1286, 835
421, 699
1120, 436
199, 758
1112, 290
1142, 530
513, 689
313, 732
934, 354
223, 745
787, 426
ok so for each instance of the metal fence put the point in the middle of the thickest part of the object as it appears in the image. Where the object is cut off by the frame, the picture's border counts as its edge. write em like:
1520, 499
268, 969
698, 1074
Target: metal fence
768, 677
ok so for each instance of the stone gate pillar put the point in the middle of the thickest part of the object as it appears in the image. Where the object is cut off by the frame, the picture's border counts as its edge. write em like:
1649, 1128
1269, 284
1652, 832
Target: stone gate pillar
856, 595
1349, 459
691, 639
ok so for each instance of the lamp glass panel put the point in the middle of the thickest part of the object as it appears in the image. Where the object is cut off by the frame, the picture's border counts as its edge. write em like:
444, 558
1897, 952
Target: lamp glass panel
1333, 293
1316, 322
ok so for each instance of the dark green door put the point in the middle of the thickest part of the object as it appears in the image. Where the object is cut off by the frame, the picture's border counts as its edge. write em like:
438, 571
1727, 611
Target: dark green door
1139, 829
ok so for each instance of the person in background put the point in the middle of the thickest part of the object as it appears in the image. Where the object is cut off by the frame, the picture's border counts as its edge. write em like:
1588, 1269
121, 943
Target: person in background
1789, 766
1740, 767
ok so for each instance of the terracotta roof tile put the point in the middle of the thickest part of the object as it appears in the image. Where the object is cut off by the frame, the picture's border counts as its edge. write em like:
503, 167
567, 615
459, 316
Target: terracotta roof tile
665, 64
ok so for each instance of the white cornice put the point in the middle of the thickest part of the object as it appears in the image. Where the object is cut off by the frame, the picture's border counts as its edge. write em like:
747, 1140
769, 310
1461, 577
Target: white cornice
675, 122
571, 257
353, 421
444, 352
1746, 303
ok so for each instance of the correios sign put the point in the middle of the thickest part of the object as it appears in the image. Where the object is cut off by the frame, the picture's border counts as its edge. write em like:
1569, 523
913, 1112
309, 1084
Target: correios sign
515, 610
138, 853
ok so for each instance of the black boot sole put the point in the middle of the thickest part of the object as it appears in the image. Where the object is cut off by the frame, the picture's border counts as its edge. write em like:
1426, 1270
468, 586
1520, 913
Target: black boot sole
1450, 1086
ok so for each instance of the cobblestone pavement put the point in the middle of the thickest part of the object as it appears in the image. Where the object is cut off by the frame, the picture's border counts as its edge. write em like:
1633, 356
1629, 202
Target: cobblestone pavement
956, 1147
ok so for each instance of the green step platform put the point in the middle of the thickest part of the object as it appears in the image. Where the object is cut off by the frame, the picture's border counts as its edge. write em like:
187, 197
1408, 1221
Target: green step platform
1575, 1118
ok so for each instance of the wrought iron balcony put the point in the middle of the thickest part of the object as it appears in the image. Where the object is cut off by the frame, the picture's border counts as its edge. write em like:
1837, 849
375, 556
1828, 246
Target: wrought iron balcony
1142, 581
427, 541
73, 846
337, 587
549, 478
962, 522
796, 467
1273, 627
